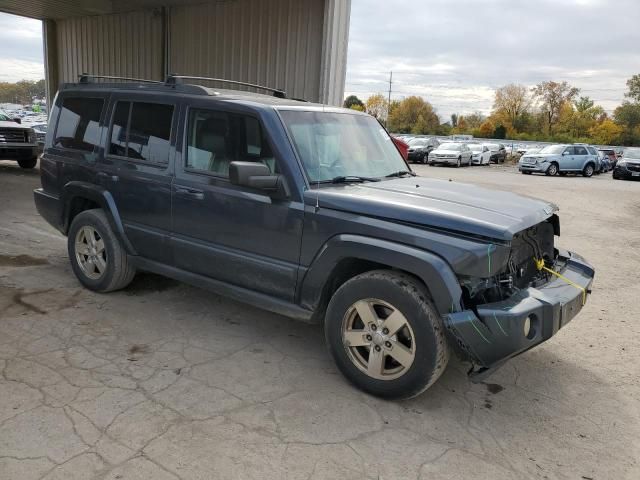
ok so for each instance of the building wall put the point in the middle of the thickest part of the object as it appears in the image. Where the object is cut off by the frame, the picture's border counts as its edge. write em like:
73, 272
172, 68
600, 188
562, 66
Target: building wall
129, 44
295, 45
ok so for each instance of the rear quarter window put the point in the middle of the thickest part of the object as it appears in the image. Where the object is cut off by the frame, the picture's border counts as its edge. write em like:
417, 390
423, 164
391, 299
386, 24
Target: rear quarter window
78, 125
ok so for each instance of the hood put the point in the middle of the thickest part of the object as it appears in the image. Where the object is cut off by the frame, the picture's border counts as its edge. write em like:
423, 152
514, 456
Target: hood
443, 151
440, 204
17, 126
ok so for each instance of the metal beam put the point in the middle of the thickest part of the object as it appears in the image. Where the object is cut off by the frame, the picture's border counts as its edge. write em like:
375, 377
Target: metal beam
334, 51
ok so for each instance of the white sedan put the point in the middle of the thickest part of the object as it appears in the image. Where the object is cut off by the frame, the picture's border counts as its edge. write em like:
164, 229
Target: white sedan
481, 155
452, 153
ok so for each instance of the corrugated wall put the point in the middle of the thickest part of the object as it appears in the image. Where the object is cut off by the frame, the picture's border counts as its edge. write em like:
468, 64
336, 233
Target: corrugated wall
128, 44
276, 43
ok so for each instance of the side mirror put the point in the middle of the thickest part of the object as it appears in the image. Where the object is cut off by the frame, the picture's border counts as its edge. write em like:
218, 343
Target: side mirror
254, 175
17, 120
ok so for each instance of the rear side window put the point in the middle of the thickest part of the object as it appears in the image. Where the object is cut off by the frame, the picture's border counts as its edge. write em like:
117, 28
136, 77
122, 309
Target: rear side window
580, 151
141, 131
78, 123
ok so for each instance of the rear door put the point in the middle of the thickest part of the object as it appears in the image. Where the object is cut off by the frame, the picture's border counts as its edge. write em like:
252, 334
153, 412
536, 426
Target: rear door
580, 157
137, 168
234, 234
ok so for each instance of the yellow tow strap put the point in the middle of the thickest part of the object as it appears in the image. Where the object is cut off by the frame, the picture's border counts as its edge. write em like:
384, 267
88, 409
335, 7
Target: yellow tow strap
541, 266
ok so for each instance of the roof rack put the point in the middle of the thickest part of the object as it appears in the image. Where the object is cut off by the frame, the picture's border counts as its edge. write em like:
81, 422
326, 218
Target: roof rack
87, 78
173, 79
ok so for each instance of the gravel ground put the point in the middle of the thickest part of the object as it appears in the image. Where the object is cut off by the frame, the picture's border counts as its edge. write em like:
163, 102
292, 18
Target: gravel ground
166, 381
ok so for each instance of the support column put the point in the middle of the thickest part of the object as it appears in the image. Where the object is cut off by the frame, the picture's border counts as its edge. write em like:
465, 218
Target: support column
335, 37
50, 60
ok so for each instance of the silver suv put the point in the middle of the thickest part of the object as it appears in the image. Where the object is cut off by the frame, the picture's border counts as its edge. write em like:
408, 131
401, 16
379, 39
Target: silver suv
561, 159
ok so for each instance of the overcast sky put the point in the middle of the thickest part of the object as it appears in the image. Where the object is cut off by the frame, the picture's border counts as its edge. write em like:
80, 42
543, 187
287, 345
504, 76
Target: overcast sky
455, 53
20, 49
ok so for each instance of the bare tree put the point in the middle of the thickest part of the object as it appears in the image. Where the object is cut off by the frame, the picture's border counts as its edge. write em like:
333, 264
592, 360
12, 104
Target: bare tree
553, 95
512, 101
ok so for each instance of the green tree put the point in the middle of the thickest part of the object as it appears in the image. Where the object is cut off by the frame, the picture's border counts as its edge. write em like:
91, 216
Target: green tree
634, 88
352, 100
454, 120
512, 101
606, 133
500, 132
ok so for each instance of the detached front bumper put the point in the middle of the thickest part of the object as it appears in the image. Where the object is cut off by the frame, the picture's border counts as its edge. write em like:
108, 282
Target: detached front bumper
505, 329
540, 167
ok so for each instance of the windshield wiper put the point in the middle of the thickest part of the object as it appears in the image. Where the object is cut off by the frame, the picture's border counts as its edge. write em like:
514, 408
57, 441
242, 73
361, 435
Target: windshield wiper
400, 174
351, 179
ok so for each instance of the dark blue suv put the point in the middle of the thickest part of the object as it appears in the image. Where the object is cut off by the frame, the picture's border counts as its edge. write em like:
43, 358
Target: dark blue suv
309, 211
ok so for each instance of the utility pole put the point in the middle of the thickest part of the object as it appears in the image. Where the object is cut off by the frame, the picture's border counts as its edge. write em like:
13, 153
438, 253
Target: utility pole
389, 98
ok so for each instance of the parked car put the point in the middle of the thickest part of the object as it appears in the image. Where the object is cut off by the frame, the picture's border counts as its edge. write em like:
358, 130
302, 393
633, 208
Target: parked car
17, 142
609, 152
498, 152
420, 148
403, 147
628, 167
605, 163
481, 155
451, 153
308, 211
560, 159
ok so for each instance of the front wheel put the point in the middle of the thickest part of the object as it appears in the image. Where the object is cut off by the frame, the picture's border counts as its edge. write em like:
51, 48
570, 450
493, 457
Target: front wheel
385, 335
97, 257
552, 171
459, 162
28, 162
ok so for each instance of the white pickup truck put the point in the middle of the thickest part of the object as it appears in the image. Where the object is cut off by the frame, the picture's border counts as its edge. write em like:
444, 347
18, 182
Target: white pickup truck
17, 142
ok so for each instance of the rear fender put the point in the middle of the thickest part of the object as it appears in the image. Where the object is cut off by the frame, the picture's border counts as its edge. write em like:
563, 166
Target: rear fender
100, 196
436, 274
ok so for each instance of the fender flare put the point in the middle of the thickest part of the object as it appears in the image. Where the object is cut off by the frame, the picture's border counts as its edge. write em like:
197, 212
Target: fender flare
433, 270
102, 197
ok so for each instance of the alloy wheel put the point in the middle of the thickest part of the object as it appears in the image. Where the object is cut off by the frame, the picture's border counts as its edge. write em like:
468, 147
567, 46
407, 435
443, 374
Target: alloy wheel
91, 254
378, 339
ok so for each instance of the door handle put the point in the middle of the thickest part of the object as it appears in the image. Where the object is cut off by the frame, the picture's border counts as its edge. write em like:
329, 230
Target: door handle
105, 176
190, 193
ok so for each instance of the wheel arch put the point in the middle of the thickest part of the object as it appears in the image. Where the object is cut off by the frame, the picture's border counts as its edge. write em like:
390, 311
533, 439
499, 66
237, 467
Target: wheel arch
346, 256
80, 196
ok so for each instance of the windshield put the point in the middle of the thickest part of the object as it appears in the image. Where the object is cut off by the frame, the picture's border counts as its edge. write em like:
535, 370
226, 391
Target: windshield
418, 142
475, 147
331, 145
450, 146
632, 153
553, 149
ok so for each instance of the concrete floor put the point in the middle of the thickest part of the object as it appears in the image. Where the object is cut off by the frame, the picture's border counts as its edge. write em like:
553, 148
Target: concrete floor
166, 381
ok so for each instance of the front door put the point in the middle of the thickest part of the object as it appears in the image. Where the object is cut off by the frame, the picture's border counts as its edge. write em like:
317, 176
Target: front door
229, 233
136, 169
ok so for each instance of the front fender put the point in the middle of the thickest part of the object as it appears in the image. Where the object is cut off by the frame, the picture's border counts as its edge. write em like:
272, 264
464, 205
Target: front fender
431, 269
102, 197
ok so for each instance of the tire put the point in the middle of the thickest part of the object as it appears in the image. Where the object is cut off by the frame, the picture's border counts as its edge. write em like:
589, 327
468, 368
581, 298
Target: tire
425, 159
114, 271
459, 164
552, 171
588, 170
28, 162
387, 291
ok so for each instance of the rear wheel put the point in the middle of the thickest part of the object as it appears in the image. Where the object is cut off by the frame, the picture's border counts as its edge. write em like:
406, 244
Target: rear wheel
96, 255
588, 171
552, 171
28, 162
385, 335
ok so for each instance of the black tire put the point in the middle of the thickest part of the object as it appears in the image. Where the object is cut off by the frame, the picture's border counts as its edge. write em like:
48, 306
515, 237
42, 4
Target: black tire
425, 158
588, 170
459, 164
409, 297
553, 169
28, 162
118, 272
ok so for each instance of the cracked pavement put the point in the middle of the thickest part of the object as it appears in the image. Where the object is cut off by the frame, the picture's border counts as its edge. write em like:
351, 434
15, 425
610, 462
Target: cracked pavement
166, 381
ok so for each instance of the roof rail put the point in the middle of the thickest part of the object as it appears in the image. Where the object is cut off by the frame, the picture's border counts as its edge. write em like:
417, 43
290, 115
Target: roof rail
88, 77
173, 79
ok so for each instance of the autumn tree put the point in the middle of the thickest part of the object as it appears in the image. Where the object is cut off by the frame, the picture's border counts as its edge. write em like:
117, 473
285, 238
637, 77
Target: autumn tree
22, 92
633, 84
403, 118
553, 95
486, 129
606, 132
512, 101
376, 105
462, 126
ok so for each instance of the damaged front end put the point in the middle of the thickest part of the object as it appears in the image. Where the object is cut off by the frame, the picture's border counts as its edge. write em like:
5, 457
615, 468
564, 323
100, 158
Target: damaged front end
523, 301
